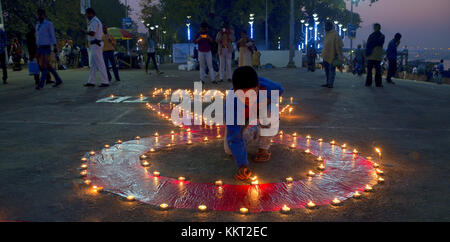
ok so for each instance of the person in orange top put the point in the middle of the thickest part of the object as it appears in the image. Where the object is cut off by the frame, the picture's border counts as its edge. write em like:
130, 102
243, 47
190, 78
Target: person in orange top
108, 54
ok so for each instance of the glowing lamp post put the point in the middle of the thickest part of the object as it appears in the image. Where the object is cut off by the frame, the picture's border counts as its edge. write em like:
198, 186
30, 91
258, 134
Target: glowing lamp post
252, 18
306, 35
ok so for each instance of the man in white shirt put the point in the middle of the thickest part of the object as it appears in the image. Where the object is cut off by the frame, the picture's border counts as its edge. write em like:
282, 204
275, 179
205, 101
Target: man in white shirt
95, 34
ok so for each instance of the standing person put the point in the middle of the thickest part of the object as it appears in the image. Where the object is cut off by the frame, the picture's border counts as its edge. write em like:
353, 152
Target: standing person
16, 53
225, 39
151, 53
359, 60
311, 54
244, 46
108, 54
204, 42
45, 38
374, 53
32, 48
331, 53
95, 36
440, 72
3, 45
392, 57
256, 59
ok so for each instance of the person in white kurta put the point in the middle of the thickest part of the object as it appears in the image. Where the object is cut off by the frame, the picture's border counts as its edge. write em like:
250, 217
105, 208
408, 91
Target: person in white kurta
95, 34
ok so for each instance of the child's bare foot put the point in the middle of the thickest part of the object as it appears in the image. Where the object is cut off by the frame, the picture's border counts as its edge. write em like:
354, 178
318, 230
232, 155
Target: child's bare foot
243, 173
262, 156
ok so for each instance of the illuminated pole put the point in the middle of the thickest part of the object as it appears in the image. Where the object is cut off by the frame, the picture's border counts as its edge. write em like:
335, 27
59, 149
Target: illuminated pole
252, 18
340, 30
188, 24
303, 31
306, 35
267, 28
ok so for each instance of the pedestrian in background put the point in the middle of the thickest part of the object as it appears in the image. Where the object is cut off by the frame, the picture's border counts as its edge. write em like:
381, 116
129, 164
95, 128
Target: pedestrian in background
95, 36
392, 57
16, 53
204, 42
108, 54
32, 48
359, 61
256, 59
440, 72
45, 39
151, 54
3, 45
331, 53
311, 54
374, 53
245, 47
225, 39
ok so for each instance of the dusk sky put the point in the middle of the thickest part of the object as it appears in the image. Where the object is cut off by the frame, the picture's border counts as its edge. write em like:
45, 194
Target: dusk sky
423, 23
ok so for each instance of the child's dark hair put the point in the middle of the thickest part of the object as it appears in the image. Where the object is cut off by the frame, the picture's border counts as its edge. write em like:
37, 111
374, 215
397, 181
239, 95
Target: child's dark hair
245, 77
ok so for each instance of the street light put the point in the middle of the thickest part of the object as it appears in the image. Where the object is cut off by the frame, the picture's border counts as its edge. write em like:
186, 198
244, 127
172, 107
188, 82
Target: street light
306, 35
252, 18
340, 29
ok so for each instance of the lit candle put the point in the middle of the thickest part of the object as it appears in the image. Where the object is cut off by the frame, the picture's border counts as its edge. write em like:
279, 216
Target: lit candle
319, 158
376, 165
138, 137
119, 141
83, 173
292, 146
281, 132
289, 179
355, 151
243, 210
336, 201
145, 163
308, 136
310, 204
311, 173
219, 183
378, 150
202, 208
380, 179
152, 150
320, 140
294, 134
87, 182
219, 136
333, 142
181, 179
111, 96
356, 195
285, 209
130, 198
156, 134
84, 166
344, 146
84, 159
163, 206
143, 157
169, 145
368, 188
156, 173
321, 167
172, 132
189, 142
92, 153
107, 146
255, 182
205, 139
379, 172
307, 151
97, 189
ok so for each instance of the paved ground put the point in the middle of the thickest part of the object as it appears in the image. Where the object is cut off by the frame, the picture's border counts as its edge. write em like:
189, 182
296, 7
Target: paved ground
44, 134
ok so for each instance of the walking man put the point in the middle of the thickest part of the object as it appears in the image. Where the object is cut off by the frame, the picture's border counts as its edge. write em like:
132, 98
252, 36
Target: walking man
331, 53
359, 61
108, 54
392, 57
440, 71
95, 32
225, 39
151, 54
45, 38
204, 42
3, 44
374, 53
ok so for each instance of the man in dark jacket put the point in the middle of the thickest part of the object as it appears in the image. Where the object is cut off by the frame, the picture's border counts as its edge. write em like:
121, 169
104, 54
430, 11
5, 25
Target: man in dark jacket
392, 57
374, 53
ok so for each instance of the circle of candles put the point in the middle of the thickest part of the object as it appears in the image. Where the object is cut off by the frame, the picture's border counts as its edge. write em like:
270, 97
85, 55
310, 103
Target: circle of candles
181, 179
285, 209
138, 137
84, 159
83, 173
368, 188
87, 182
145, 163
311, 173
289, 179
307, 151
243, 210
130, 198
356, 195
84, 166
143, 157
321, 167
92, 153
202, 208
119, 142
380, 179
156, 173
379, 172
311, 205
219, 183
336, 202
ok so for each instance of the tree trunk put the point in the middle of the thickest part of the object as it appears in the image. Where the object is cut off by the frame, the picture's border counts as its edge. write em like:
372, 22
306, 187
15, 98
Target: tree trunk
291, 63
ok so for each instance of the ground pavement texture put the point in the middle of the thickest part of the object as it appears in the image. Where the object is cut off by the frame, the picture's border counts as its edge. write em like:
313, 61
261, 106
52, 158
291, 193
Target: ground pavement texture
45, 133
